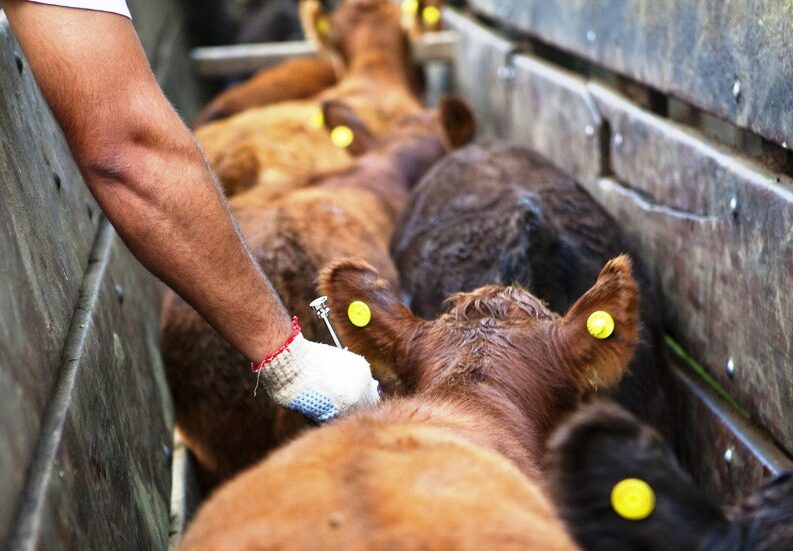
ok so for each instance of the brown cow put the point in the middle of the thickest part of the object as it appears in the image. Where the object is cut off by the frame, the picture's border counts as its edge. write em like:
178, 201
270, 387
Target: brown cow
294, 79
336, 215
305, 77
501, 214
278, 143
441, 469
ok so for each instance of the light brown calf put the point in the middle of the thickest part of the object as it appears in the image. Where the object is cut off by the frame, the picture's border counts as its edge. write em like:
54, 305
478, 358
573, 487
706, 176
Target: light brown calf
293, 236
457, 465
280, 143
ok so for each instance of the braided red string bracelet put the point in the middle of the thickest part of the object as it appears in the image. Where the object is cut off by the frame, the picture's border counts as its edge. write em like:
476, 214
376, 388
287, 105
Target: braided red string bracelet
255, 367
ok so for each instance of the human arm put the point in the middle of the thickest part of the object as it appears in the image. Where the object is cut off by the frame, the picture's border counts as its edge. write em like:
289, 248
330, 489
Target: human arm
147, 173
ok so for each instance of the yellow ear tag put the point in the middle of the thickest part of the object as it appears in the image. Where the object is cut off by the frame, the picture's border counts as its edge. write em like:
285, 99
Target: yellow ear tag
410, 7
600, 324
431, 15
318, 119
322, 24
342, 136
633, 499
359, 313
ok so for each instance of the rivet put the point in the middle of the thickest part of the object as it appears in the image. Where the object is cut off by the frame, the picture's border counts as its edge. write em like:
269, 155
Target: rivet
119, 293
19, 62
589, 130
618, 139
591, 36
734, 204
506, 73
730, 368
728, 456
57, 180
736, 90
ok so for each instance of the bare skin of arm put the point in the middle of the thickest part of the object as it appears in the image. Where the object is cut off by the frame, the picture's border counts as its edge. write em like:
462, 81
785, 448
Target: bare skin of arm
145, 169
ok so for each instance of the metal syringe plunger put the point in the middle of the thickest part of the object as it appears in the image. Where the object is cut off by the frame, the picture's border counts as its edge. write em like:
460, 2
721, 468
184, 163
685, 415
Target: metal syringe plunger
320, 307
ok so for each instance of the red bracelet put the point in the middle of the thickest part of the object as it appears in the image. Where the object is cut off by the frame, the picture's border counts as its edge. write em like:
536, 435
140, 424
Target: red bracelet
255, 367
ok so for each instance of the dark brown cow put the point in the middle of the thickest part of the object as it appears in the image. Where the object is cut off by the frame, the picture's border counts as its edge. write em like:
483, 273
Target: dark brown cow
498, 214
603, 445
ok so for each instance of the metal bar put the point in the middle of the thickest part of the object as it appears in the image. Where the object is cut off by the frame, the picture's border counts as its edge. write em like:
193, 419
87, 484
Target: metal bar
756, 440
226, 61
25, 532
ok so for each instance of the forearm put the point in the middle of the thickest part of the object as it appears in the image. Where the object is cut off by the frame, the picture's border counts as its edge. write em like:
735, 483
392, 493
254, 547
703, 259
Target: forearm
168, 209
145, 170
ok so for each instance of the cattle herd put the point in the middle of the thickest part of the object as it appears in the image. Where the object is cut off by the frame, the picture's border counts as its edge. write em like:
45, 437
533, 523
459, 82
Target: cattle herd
482, 266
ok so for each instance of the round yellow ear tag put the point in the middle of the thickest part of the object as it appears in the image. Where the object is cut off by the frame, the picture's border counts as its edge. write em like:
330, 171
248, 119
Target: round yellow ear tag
600, 324
342, 136
359, 313
431, 15
633, 499
410, 7
322, 25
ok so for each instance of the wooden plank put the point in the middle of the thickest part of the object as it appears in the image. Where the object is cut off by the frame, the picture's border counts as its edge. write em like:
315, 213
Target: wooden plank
483, 72
731, 58
241, 59
41, 195
552, 113
727, 455
719, 232
106, 447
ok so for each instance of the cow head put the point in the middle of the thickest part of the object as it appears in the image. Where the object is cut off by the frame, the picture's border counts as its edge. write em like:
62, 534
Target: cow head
452, 123
498, 346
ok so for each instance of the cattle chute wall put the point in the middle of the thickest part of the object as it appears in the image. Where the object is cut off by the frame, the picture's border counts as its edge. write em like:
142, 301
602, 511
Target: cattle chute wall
87, 423
709, 203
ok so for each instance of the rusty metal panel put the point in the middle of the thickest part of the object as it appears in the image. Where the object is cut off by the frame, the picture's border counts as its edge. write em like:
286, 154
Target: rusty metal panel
730, 57
552, 113
47, 224
482, 72
717, 232
727, 455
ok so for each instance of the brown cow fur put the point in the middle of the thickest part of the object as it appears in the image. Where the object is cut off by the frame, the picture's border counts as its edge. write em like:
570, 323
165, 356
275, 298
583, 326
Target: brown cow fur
294, 79
340, 214
441, 469
303, 77
277, 143
501, 214
500, 347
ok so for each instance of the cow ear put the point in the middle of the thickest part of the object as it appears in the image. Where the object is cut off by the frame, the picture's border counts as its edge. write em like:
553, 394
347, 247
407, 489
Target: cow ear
659, 507
457, 120
316, 23
598, 335
336, 116
370, 318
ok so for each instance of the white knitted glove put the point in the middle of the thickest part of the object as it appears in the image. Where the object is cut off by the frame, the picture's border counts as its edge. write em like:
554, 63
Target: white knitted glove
318, 380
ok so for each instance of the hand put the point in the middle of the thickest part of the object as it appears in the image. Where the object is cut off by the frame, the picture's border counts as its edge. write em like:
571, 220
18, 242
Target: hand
318, 380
